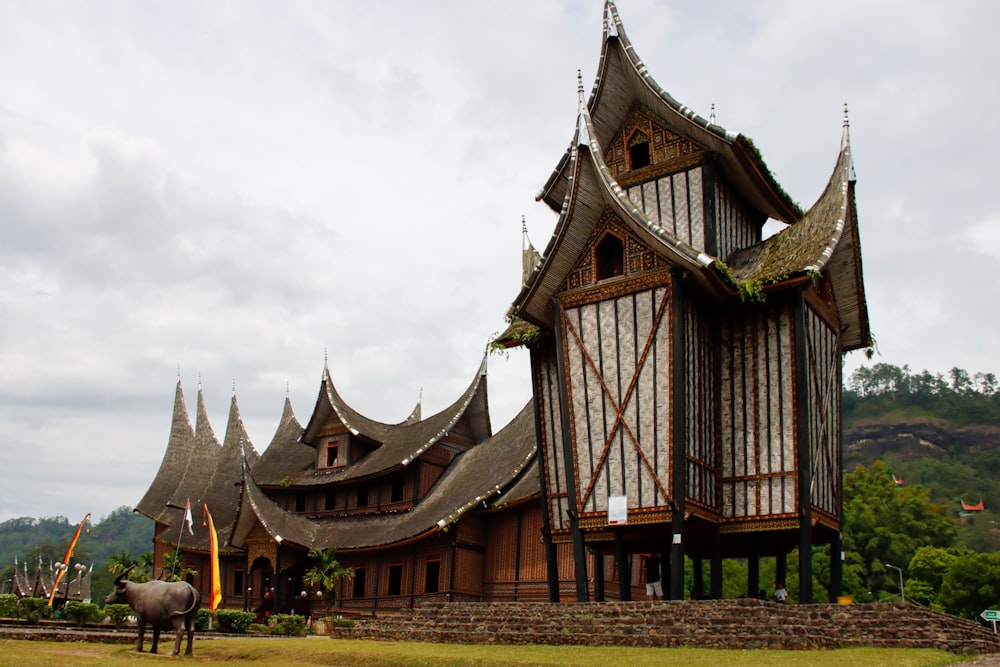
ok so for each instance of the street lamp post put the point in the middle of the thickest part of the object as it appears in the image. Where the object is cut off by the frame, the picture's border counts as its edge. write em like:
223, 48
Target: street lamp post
902, 593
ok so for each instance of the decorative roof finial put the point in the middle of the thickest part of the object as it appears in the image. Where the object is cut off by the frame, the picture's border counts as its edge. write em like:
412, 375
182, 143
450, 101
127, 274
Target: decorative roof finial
524, 225
847, 123
326, 357
234, 386
610, 28
711, 115
582, 131
288, 391
178, 371
199, 380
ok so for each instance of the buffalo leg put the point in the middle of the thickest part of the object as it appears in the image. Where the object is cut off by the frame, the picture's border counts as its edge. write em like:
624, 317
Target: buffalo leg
190, 632
141, 627
156, 639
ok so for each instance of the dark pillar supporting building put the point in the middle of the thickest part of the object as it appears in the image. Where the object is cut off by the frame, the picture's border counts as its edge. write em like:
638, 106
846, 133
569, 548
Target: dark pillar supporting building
598, 575
715, 573
624, 576
753, 568
698, 593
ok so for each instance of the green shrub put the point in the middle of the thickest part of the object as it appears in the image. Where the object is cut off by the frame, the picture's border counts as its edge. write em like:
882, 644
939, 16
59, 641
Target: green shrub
33, 609
8, 605
232, 621
291, 625
202, 619
344, 622
258, 629
82, 613
118, 613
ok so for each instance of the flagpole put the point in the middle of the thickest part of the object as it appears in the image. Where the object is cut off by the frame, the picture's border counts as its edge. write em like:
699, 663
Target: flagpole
173, 565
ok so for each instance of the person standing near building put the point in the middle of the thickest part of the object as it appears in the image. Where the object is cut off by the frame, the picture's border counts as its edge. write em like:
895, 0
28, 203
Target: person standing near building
780, 594
654, 585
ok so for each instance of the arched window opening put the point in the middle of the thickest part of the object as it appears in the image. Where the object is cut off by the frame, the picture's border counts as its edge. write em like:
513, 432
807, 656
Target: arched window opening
609, 257
638, 150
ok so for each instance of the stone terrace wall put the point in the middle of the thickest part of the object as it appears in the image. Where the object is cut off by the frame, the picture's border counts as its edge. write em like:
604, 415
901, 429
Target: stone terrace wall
743, 624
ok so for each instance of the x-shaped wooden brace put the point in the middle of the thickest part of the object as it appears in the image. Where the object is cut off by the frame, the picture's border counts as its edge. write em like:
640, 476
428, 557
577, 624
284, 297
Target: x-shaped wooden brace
620, 409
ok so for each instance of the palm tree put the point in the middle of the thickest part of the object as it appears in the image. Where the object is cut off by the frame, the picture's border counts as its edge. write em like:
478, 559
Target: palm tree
120, 562
173, 566
327, 572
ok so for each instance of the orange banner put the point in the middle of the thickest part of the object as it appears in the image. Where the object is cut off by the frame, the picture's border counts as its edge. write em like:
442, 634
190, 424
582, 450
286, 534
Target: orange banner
65, 562
216, 579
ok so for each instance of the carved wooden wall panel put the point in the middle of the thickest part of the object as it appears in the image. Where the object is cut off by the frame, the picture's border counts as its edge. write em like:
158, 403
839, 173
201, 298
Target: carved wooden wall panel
677, 203
702, 451
617, 355
823, 388
735, 228
551, 447
757, 412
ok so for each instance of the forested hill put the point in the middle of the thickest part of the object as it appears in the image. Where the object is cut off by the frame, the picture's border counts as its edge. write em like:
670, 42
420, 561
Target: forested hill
122, 531
939, 431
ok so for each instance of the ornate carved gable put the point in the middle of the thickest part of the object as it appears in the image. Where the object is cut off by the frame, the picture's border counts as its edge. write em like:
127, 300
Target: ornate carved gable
612, 252
645, 146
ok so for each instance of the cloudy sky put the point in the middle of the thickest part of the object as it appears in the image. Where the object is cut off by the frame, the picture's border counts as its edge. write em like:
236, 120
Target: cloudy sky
237, 190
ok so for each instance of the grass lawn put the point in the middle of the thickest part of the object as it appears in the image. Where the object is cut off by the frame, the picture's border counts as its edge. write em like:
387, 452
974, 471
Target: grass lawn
268, 652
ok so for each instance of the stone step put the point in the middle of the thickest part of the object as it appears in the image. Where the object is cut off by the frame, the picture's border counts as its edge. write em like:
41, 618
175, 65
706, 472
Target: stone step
722, 624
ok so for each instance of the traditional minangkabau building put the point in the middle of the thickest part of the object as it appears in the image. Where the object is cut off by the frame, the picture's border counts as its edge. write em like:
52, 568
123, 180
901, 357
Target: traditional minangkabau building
425, 509
686, 371
41, 581
686, 398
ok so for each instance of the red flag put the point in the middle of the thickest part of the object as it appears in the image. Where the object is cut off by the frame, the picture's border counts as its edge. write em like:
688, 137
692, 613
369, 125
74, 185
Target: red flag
69, 555
213, 538
188, 519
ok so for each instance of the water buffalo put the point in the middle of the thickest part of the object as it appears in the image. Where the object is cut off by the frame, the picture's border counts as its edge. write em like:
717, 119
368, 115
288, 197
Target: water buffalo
165, 605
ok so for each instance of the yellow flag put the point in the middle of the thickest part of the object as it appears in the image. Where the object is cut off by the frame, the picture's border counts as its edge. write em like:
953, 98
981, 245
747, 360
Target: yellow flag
213, 537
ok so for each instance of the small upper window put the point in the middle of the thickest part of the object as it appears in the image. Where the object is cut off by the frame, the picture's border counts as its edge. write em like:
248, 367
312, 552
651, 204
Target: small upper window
609, 256
638, 150
332, 454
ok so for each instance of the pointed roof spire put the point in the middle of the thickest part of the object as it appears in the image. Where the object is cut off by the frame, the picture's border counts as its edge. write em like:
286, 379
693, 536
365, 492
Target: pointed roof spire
180, 452
711, 114
583, 134
529, 256
610, 26
845, 143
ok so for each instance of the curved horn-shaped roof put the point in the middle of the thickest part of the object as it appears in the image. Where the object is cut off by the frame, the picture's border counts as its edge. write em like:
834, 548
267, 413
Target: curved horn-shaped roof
591, 189
623, 80
825, 241
286, 457
180, 448
397, 445
475, 477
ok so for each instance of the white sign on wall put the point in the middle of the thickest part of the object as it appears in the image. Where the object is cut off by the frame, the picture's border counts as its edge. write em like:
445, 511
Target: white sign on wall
617, 510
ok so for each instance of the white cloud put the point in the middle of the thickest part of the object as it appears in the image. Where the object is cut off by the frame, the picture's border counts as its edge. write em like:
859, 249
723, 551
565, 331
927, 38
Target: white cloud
238, 189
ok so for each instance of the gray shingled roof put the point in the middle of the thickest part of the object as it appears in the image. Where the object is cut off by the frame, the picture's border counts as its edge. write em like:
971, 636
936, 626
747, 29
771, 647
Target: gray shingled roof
474, 478
622, 79
591, 190
397, 445
175, 459
287, 456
